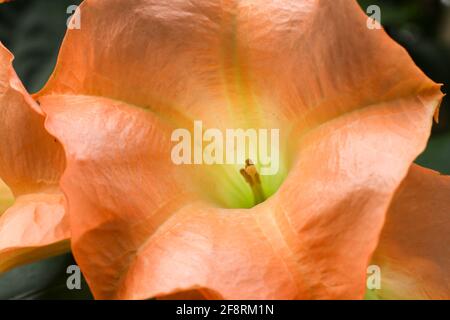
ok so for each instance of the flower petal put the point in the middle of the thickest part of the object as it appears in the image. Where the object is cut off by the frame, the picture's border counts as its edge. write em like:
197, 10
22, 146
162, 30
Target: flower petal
35, 227
413, 252
231, 63
332, 205
221, 254
120, 181
31, 162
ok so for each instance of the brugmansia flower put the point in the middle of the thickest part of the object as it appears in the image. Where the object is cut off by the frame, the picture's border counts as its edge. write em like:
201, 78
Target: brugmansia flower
353, 112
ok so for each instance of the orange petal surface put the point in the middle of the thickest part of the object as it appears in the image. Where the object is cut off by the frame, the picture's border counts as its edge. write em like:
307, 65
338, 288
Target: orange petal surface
413, 253
333, 203
31, 162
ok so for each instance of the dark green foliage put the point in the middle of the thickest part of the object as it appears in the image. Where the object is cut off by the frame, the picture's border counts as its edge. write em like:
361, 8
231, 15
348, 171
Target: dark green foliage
45, 279
33, 31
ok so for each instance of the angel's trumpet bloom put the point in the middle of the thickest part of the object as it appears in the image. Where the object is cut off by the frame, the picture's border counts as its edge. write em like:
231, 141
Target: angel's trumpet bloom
33, 223
353, 113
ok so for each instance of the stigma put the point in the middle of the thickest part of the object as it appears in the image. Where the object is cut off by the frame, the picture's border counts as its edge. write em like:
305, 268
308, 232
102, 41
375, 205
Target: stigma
251, 176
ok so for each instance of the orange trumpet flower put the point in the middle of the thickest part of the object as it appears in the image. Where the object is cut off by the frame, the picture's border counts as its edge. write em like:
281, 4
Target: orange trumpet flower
352, 110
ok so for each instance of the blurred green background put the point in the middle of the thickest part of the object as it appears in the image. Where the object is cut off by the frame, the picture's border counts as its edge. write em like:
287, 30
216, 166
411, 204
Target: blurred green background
33, 31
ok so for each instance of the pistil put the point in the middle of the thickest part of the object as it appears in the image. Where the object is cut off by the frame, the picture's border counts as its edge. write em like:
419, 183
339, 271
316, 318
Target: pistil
251, 176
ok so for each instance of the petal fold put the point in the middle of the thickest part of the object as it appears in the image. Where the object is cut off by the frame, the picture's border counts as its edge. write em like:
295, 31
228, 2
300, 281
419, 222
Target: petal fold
31, 163
413, 253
